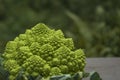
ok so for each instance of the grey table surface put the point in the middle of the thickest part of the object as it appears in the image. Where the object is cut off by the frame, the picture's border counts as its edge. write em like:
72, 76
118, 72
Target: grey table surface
108, 68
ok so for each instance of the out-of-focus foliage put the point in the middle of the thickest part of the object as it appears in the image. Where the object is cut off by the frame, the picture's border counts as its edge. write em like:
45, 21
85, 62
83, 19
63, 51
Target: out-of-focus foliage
94, 25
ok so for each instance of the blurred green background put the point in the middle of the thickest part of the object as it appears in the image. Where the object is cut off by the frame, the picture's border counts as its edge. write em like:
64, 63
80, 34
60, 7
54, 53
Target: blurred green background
94, 25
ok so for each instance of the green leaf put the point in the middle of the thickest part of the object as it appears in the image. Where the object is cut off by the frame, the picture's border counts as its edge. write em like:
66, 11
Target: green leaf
21, 76
78, 76
66, 77
3, 74
39, 77
85, 75
61, 77
95, 76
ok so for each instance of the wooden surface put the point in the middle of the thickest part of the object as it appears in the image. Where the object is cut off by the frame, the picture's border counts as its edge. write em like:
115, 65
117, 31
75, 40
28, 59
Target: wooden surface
108, 68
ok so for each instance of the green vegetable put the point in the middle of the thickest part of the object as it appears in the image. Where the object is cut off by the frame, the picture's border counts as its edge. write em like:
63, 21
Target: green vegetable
42, 51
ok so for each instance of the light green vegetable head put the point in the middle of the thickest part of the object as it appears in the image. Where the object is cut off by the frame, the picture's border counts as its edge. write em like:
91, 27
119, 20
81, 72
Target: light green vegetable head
42, 51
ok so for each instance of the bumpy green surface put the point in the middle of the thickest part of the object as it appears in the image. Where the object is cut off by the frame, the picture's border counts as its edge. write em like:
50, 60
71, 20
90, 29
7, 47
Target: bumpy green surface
43, 51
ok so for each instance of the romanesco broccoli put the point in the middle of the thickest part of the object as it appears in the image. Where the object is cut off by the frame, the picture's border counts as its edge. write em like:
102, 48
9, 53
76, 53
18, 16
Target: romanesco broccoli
42, 51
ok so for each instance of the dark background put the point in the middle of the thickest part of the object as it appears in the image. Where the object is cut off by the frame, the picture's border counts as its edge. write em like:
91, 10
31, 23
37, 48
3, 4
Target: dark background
94, 25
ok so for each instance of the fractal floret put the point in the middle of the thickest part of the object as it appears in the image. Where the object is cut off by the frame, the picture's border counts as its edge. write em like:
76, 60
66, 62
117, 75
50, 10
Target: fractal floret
42, 51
